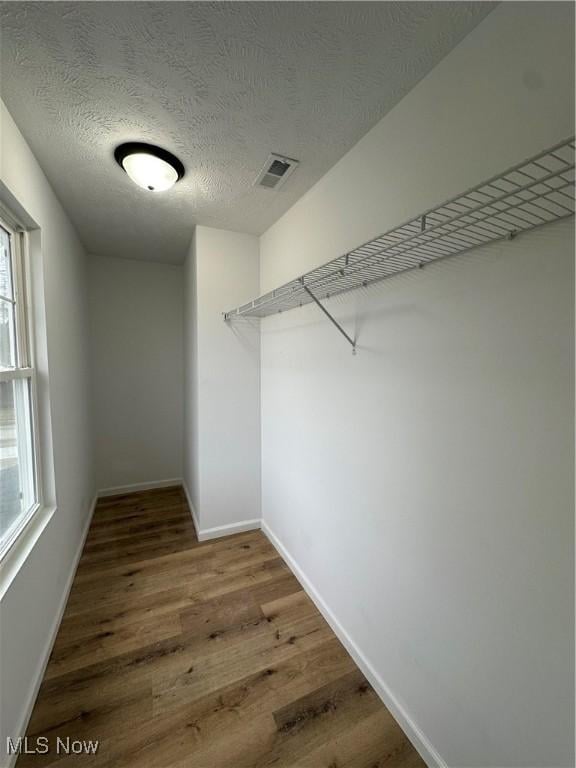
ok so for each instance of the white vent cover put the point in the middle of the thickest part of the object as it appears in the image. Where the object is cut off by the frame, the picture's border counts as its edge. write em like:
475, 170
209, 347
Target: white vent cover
276, 170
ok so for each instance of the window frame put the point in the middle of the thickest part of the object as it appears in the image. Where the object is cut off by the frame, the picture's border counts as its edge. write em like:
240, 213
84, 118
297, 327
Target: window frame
25, 367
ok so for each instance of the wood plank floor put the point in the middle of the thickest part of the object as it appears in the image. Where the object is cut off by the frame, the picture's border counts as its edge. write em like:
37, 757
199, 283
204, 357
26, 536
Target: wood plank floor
174, 653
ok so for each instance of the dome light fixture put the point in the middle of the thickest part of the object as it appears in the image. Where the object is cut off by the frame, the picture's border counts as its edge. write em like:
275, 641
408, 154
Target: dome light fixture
151, 167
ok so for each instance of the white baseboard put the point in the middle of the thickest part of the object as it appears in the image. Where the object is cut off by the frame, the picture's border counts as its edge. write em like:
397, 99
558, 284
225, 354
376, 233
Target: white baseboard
120, 489
412, 731
51, 638
220, 530
192, 510
227, 530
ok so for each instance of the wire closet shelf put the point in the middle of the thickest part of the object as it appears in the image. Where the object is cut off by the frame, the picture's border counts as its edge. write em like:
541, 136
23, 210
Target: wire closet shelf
535, 192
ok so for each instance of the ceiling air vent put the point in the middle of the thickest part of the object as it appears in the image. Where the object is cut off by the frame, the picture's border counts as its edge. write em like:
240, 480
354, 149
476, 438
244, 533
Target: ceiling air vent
275, 172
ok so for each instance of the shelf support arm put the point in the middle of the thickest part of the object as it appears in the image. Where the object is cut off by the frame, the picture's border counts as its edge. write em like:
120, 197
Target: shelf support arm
332, 320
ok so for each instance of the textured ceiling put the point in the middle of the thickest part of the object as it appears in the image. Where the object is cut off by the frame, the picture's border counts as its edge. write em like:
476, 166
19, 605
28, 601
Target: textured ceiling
219, 84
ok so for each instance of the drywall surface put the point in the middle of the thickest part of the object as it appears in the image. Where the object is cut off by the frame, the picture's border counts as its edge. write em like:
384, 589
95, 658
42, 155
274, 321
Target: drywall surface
223, 460
191, 452
502, 95
136, 311
425, 486
33, 600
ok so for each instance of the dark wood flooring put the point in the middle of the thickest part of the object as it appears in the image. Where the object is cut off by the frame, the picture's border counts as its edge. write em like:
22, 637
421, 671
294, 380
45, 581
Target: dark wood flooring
178, 654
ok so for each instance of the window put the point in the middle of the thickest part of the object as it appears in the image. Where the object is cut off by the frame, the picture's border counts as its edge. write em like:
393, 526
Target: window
19, 486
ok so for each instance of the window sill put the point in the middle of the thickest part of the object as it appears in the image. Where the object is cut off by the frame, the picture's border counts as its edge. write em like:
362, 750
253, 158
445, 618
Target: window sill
17, 554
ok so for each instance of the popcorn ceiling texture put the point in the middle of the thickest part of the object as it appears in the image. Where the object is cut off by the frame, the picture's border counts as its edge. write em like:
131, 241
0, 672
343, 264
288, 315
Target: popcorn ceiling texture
219, 84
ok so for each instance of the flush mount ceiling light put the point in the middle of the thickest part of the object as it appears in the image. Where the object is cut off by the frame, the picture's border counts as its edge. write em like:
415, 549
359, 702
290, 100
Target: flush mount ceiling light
150, 167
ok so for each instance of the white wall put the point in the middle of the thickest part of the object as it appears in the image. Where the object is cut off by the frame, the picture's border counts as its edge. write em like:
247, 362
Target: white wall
31, 605
136, 311
191, 470
222, 471
424, 487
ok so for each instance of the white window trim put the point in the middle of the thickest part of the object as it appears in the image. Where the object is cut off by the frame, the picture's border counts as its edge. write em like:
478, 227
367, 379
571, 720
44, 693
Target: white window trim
25, 341
15, 557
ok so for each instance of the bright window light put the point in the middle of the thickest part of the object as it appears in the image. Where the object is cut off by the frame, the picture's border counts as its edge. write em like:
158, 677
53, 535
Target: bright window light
19, 487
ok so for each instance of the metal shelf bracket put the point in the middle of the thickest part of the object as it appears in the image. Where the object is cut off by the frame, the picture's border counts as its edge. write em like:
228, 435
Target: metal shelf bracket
330, 317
